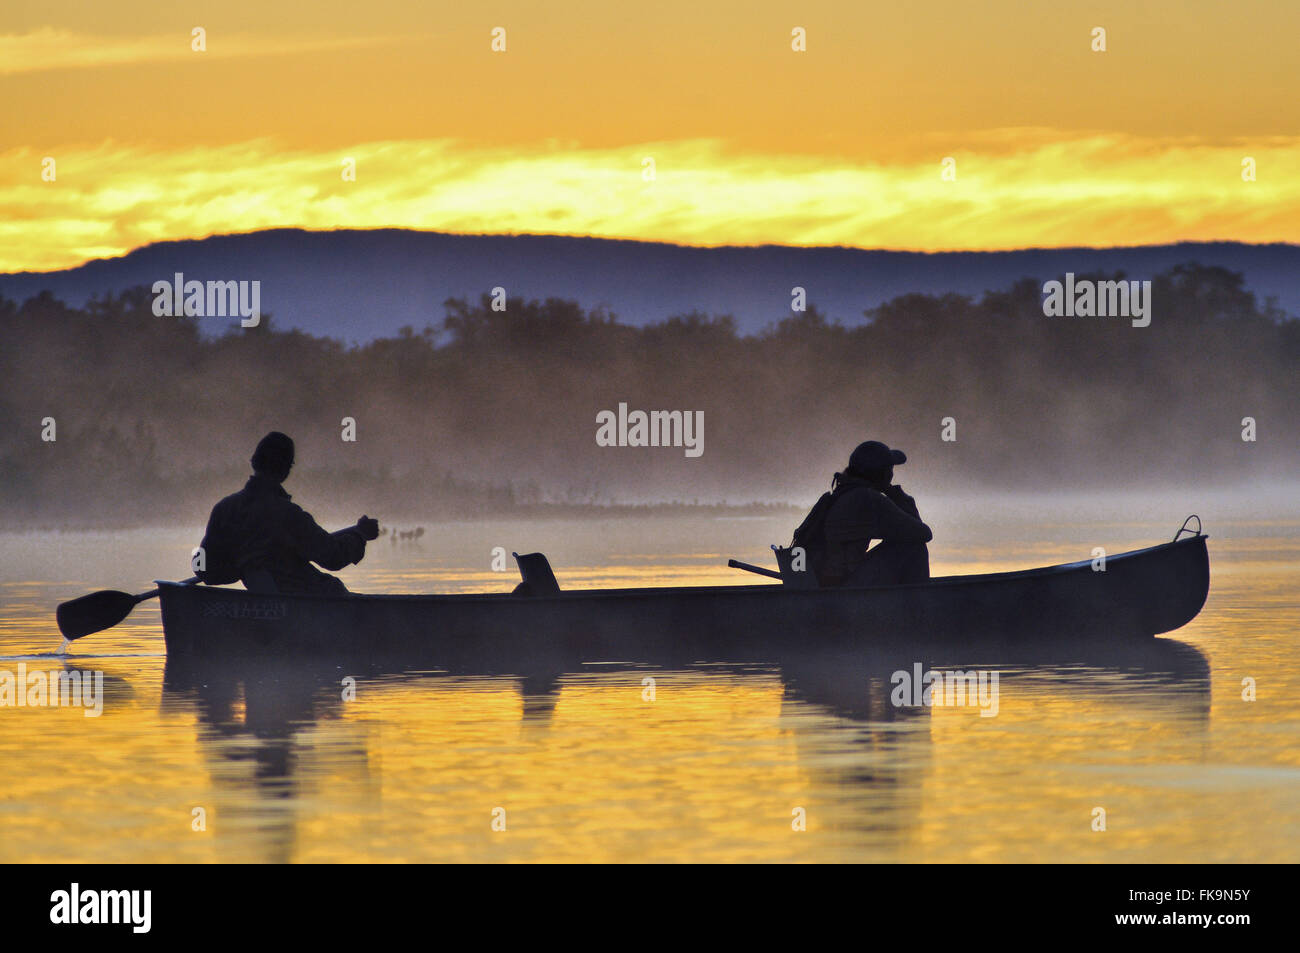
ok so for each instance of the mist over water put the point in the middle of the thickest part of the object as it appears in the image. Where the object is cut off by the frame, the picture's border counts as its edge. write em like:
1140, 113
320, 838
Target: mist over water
121, 417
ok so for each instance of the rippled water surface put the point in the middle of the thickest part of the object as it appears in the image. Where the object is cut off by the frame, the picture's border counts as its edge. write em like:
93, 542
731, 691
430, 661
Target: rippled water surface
586, 766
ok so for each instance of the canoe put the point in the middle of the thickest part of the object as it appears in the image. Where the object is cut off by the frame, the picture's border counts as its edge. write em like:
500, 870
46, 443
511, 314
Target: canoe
1138, 595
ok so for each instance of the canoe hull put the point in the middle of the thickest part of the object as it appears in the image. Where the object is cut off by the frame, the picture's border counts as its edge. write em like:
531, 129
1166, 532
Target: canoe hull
1142, 593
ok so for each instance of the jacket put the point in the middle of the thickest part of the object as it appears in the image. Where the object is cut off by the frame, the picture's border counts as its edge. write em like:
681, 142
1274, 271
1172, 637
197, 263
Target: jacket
861, 514
261, 537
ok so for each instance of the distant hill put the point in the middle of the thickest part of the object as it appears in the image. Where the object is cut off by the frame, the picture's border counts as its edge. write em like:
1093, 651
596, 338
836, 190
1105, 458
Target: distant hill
359, 285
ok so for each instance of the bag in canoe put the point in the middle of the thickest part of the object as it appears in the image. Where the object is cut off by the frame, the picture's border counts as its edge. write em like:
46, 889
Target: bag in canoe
810, 536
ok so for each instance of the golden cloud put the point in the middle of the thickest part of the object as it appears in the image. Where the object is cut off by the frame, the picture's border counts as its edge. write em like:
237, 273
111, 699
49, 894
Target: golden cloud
1097, 190
55, 49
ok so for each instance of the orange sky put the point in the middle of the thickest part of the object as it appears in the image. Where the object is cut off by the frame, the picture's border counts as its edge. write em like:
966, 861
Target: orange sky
1054, 144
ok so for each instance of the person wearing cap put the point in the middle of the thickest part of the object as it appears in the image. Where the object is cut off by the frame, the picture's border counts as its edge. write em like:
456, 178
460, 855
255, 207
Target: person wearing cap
260, 537
868, 505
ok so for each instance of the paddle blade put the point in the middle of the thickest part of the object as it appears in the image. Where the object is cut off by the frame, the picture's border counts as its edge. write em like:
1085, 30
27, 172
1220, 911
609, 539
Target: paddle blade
94, 613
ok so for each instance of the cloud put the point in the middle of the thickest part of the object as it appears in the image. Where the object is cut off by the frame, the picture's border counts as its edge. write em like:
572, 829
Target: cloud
54, 49
1098, 190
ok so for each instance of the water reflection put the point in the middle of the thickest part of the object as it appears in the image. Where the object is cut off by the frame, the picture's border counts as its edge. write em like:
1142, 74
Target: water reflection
866, 773
1157, 672
253, 720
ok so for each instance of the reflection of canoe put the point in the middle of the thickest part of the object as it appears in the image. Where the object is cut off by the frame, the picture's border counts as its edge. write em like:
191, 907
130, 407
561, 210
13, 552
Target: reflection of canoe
1145, 673
1140, 593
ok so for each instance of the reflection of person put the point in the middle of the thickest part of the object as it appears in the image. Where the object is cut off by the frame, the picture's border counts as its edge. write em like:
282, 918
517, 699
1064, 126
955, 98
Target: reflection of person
260, 537
868, 506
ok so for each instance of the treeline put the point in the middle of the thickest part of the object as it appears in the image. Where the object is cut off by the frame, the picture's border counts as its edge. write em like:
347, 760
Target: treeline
495, 411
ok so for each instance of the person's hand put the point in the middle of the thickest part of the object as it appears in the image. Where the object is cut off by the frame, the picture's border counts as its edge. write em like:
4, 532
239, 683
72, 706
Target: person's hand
369, 527
900, 499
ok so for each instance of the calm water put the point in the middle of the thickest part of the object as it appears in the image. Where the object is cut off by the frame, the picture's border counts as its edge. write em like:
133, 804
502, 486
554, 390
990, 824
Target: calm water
587, 768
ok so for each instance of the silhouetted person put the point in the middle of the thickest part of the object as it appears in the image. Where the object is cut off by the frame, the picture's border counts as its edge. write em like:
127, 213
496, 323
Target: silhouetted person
262, 538
868, 506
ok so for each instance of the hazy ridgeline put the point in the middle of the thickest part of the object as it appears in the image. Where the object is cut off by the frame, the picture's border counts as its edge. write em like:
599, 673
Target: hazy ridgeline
495, 412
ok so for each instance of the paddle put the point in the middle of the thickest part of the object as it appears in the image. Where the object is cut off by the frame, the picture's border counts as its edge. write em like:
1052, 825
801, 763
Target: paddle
100, 610
737, 564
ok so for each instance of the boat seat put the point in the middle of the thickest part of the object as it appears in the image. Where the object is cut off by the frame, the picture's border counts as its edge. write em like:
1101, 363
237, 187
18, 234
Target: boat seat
538, 578
790, 577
